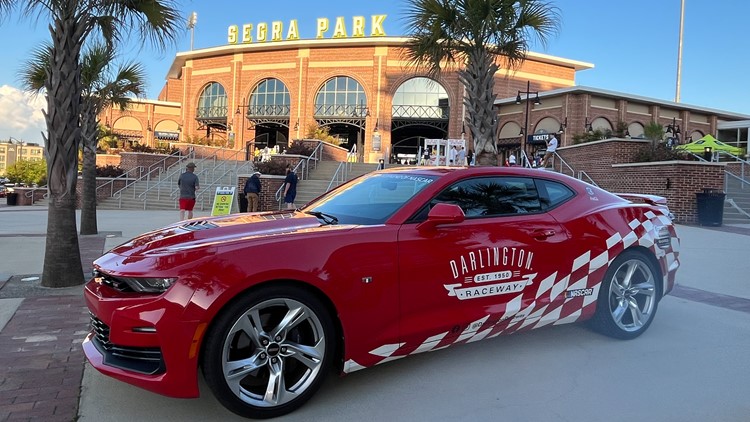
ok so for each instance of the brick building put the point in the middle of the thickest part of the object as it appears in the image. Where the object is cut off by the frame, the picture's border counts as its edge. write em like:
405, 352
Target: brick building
257, 94
12, 151
575, 110
362, 89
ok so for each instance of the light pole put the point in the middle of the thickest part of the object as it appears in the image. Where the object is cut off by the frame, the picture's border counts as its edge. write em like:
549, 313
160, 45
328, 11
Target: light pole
528, 93
237, 113
363, 113
192, 20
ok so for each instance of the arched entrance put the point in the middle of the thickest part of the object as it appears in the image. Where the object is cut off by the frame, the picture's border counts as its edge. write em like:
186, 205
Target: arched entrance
341, 106
420, 111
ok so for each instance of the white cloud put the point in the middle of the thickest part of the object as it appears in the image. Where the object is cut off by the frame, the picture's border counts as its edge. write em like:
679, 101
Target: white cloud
21, 115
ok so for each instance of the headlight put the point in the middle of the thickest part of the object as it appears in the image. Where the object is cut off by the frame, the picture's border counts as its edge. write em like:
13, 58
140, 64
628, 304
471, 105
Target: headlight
147, 284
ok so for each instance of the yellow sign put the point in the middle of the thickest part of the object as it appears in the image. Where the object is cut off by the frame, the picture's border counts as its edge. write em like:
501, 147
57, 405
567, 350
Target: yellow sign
223, 201
262, 34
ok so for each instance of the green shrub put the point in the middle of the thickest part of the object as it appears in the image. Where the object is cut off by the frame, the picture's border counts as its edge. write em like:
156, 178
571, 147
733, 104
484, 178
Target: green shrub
276, 168
109, 171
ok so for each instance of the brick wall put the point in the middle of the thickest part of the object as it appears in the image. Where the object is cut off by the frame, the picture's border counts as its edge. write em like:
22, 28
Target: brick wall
158, 162
108, 160
203, 151
269, 184
330, 152
610, 164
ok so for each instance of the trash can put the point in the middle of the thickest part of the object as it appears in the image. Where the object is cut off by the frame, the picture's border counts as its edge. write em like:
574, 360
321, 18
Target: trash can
710, 204
242, 201
12, 198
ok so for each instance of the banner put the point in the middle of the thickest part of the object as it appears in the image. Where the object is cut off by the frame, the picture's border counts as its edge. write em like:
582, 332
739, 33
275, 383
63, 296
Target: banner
223, 201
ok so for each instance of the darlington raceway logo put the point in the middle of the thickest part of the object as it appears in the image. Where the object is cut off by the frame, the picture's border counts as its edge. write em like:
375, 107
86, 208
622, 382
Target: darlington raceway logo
507, 270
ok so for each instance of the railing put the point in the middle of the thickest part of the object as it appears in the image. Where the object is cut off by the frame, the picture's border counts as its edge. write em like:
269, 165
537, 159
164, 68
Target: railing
582, 174
208, 172
127, 176
525, 160
302, 169
742, 181
341, 175
229, 173
564, 163
30, 194
147, 176
737, 207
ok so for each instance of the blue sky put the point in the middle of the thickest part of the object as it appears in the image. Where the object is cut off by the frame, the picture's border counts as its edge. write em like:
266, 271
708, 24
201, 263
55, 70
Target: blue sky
632, 44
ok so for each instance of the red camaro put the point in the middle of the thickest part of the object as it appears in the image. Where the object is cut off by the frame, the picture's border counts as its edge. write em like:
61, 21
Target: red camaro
394, 263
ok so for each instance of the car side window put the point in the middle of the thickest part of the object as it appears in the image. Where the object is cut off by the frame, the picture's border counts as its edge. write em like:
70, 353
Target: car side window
492, 196
553, 193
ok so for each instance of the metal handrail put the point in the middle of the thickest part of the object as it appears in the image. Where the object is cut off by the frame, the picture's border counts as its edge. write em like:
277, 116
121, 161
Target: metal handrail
737, 207
316, 156
525, 162
30, 194
581, 175
126, 176
118, 194
562, 161
205, 169
205, 190
742, 180
341, 175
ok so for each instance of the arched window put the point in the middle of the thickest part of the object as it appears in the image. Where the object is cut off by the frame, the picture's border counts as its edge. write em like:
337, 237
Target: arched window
212, 102
421, 98
270, 98
602, 124
341, 96
547, 125
635, 130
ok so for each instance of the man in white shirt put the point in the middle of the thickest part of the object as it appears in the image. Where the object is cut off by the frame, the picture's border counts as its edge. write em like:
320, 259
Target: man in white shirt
461, 157
452, 154
551, 148
512, 160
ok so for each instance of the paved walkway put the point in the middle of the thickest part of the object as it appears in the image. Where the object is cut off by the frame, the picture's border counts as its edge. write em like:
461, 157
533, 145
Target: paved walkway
41, 329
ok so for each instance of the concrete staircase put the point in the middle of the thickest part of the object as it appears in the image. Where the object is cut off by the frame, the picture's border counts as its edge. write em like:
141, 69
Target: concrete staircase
320, 178
741, 197
162, 192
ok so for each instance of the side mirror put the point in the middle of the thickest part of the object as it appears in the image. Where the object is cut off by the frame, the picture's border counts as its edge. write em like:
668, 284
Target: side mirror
442, 214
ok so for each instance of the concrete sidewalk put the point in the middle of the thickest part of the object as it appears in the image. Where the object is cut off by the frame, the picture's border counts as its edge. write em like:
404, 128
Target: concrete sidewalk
547, 374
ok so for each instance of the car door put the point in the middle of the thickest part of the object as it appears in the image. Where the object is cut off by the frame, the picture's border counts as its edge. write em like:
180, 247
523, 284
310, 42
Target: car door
469, 280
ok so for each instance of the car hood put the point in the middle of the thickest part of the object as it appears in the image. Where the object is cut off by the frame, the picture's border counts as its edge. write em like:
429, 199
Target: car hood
213, 231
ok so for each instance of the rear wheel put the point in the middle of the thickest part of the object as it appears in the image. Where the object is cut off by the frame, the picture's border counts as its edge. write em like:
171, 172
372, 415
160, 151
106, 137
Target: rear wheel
268, 352
628, 297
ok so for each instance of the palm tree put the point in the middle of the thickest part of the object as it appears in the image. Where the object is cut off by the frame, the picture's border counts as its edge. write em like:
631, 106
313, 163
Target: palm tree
101, 89
71, 22
476, 36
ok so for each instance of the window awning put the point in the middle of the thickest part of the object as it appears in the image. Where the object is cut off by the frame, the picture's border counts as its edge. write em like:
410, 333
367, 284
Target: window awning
167, 136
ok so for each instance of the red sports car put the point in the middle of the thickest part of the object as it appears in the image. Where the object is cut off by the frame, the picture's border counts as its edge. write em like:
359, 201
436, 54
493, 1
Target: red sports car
396, 262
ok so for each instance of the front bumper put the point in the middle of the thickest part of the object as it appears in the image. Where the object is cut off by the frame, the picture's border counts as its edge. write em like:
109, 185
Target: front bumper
144, 340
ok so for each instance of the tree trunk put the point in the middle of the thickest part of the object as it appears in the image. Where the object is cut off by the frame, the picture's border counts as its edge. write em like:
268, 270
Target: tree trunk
479, 79
62, 257
88, 202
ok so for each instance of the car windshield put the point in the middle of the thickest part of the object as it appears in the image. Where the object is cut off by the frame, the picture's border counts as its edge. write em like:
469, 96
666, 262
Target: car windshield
371, 199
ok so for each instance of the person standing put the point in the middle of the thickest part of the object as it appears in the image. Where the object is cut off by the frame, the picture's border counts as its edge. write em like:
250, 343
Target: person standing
512, 160
452, 155
290, 188
470, 157
188, 183
551, 148
252, 192
461, 157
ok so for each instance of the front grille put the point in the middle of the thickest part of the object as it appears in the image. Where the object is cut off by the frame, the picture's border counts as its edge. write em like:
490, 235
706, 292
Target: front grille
146, 360
199, 225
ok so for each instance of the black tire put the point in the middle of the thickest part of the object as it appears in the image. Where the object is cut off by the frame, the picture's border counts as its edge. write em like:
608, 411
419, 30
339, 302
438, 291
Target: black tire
628, 297
277, 330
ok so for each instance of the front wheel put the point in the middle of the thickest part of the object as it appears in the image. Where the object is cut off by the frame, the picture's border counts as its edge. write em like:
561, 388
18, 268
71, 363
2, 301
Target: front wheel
628, 297
268, 352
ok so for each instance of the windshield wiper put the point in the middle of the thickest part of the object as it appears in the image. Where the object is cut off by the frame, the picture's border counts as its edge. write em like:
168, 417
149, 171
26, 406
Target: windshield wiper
327, 218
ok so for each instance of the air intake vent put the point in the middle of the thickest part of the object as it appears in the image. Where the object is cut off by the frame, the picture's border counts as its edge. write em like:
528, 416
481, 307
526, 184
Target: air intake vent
199, 225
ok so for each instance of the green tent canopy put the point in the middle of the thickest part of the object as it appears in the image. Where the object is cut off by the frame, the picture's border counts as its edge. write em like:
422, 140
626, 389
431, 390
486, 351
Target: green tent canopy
698, 147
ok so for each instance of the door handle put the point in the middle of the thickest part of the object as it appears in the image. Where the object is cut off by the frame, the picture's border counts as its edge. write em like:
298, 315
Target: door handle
542, 234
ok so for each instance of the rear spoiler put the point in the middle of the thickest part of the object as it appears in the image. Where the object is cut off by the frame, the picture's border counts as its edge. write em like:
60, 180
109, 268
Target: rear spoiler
641, 198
